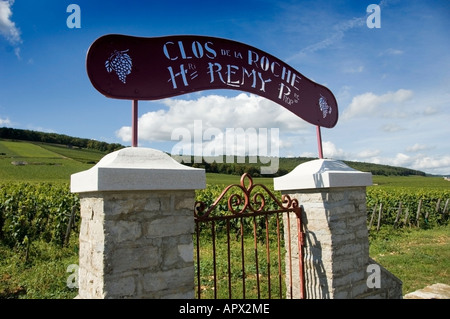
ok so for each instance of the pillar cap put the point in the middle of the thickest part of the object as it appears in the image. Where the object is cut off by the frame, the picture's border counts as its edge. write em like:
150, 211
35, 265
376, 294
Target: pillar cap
137, 168
322, 173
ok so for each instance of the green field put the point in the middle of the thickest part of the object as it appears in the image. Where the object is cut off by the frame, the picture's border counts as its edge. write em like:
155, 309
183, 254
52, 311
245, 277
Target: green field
425, 182
418, 257
55, 163
38, 162
429, 182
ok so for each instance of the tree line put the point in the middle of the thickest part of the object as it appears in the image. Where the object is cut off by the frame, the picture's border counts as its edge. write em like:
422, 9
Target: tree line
245, 165
254, 169
219, 166
54, 138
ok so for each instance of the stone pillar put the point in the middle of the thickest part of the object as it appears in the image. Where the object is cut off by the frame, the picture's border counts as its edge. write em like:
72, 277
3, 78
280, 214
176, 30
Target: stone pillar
136, 226
336, 254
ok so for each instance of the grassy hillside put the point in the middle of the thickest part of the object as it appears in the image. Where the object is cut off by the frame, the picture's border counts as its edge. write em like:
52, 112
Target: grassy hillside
239, 165
39, 162
48, 162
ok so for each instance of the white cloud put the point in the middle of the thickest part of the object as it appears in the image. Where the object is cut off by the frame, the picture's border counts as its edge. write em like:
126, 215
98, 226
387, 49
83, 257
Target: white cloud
370, 104
417, 148
331, 151
401, 160
391, 51
8, 28
358, 69
390, 128
213, 111
421, 162
368, 153
213, 142
430, 110
337, 34
430, 164
5, 121
433, 165
124, 133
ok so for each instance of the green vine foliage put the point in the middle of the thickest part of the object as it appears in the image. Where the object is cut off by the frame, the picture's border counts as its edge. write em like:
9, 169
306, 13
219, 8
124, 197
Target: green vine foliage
36, 211
432, 212
31, 211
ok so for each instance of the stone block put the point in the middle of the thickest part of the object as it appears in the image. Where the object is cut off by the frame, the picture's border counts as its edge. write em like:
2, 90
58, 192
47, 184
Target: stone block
128, 258
122, 231
170, 226
120, 287
167, 280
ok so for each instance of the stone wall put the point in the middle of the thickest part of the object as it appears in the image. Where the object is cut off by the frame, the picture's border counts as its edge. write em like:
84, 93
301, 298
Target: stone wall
336, 252
136, 245
136, 226
336, 242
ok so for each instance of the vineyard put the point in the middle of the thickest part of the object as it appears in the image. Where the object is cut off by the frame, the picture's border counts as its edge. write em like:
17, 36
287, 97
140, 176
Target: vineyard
40, 217
39, 225
32, 211
36, 211
403, 207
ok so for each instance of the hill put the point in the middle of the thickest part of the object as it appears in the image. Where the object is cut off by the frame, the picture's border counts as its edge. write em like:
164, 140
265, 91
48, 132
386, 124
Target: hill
241, 165
42, 162
35, 156
54, 138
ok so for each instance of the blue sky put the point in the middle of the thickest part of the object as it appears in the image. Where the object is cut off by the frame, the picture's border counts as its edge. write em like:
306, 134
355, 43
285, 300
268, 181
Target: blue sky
392, 83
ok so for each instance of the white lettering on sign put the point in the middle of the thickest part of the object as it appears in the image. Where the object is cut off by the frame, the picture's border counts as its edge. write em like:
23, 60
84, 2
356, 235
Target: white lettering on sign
174, 51
239, 75
259, 73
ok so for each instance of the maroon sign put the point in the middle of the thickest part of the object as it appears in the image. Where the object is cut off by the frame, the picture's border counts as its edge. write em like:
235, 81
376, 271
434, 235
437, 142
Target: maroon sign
137, 68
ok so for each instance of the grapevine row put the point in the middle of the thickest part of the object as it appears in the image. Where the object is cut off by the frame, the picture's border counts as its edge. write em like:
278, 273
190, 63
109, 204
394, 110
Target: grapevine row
36, 211
30, 211
424, 208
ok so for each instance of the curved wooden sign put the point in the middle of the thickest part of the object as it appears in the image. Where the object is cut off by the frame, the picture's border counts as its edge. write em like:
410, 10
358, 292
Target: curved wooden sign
138, 68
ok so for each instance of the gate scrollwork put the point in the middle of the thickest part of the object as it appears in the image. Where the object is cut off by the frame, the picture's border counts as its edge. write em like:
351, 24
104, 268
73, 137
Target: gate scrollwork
249, 198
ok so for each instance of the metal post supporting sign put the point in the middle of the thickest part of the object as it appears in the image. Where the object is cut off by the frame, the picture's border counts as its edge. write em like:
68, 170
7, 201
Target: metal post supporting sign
134, 124
319, 141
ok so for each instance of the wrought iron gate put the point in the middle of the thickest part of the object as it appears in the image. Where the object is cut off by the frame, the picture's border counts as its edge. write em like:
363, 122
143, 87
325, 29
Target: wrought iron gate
250, 215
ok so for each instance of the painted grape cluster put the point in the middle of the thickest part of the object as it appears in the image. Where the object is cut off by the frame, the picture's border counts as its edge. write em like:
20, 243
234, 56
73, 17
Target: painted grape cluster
121, 63
324, 107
